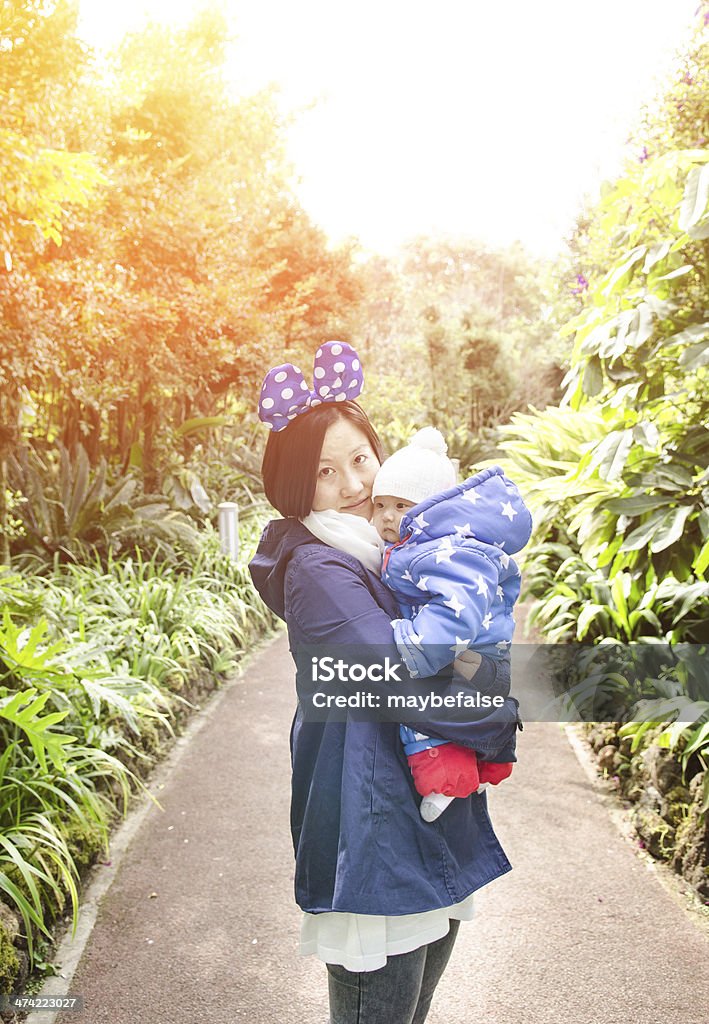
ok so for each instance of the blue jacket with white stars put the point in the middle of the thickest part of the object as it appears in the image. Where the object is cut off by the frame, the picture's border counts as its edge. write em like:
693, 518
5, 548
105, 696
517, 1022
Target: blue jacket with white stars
453, 574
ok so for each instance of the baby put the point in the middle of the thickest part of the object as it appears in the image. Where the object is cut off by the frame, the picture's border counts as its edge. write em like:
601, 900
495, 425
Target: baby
448, 563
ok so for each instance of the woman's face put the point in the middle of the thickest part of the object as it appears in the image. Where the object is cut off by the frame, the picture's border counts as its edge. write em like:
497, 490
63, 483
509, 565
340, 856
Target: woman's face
346, 471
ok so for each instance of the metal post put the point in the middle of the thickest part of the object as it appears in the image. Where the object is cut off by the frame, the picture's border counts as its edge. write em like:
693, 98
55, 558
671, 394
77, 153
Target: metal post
456, 464
229, 528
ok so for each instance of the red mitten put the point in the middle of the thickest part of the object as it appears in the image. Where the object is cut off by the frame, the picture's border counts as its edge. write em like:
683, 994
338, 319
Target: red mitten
492, 772
447, 769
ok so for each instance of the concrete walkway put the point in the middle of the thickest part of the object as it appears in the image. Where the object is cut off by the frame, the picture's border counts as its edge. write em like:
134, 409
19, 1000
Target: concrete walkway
199, 924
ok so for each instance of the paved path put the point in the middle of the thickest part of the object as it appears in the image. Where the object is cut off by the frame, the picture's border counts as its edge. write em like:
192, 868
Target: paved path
580, 932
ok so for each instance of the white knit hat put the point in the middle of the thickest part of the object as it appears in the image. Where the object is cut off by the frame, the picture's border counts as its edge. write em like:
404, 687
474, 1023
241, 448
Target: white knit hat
417, 471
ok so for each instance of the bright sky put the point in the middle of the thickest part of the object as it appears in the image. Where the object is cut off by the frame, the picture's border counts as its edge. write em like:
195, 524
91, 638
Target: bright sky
475, 117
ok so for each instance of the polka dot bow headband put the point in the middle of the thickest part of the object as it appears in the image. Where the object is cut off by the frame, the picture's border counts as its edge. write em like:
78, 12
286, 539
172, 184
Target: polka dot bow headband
337, 374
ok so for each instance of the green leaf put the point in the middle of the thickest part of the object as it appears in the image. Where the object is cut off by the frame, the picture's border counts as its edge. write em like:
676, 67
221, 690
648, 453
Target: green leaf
641, 326
700, 563
641, 536
700, 739
655, 254
694, 200
636, 504
593, 377
136, 455
79, 489
611, 454
622, 267
200, 496
679, 272
671, 528
700, 231
37, 729
689, 597
201, 423
589, 613
695, 356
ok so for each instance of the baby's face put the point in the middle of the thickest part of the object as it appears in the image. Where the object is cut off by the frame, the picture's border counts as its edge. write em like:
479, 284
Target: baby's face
387, 515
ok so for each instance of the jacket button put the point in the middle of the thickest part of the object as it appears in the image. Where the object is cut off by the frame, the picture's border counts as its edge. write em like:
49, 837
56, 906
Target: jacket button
433, 751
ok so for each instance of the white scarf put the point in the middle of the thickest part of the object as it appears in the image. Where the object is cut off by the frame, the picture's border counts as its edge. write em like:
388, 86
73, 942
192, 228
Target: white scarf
349, 533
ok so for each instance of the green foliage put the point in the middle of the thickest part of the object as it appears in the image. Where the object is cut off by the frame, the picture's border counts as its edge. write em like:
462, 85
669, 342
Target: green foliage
472, 322
93, 659
185, 264
619, 472
617, 475
72, 511
40, 57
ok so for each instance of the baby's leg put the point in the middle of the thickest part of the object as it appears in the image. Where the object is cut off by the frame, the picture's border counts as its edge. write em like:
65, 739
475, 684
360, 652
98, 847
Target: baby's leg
433, 805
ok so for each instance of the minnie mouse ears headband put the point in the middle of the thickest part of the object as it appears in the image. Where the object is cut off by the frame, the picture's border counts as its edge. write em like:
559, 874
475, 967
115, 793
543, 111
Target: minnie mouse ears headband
337, 375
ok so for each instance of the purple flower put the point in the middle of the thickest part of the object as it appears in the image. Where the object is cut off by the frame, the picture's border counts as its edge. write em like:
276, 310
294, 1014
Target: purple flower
581, 285
687, 78
644, 155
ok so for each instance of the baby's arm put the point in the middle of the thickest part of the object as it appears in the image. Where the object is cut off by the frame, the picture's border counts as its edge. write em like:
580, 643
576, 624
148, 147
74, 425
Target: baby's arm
460, 584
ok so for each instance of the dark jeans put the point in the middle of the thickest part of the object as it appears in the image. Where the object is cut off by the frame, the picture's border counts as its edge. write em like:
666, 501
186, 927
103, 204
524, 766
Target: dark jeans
400, 992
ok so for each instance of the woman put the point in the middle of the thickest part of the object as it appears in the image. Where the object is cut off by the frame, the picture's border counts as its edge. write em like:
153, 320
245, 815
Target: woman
382, 891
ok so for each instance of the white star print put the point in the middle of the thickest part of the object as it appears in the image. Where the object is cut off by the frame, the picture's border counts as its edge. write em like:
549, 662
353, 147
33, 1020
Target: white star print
455, 605
470, 496
502, 645
463, 531
460, 645
507, 510
445, 551
500, 593
482, 586
504, 560
486, 621
406, 575
423, 582
420, 521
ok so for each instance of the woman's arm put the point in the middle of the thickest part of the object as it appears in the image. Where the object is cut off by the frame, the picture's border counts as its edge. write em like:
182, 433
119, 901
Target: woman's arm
338, 615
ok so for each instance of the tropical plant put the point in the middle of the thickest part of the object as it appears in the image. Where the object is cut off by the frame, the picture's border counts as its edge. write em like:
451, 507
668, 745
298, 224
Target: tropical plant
71, 510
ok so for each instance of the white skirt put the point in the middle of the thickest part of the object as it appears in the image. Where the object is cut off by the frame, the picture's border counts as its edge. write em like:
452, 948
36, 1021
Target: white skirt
362, 942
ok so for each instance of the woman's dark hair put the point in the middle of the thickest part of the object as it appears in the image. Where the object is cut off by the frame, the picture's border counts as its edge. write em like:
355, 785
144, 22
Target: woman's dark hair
292, 456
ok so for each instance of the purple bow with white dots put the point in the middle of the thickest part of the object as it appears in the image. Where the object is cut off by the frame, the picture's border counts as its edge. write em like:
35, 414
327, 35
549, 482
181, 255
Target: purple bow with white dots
337, 374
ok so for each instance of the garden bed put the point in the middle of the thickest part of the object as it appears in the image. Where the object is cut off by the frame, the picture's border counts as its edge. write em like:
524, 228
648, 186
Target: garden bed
665, 808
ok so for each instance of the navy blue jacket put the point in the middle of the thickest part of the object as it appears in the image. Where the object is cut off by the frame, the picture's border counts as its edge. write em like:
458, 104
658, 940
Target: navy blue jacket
360, 843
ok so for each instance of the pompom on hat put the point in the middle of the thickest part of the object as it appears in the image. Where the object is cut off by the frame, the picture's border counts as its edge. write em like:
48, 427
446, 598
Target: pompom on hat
337, 376
417, 471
